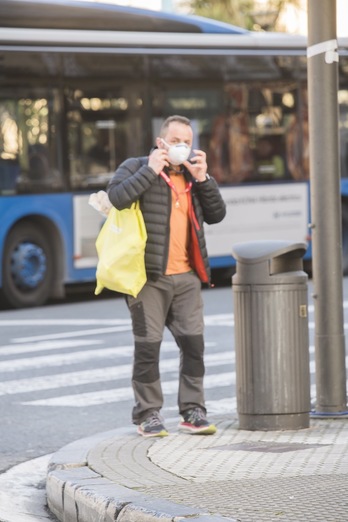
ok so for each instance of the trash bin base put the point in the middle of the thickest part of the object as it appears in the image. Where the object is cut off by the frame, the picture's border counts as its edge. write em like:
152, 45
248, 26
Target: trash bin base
293, 421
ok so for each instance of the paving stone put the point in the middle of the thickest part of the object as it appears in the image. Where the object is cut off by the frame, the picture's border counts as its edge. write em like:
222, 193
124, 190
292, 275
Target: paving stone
235, 475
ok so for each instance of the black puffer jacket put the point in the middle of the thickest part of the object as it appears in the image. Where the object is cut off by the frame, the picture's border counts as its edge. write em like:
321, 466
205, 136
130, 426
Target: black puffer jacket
135, 180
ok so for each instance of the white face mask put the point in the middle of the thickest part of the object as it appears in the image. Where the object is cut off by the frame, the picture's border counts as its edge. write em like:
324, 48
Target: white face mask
178, 153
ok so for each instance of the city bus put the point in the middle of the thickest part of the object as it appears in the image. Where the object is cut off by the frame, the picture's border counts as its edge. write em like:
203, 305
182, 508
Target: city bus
84, 85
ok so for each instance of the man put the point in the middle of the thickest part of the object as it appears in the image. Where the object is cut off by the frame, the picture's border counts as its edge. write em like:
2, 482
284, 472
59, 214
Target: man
176, 197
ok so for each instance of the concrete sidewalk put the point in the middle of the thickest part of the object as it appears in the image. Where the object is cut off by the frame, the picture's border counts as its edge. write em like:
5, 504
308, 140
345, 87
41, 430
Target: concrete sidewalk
247, 476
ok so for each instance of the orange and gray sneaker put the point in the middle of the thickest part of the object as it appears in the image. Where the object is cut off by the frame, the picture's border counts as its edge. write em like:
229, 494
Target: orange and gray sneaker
152, 426
194, 421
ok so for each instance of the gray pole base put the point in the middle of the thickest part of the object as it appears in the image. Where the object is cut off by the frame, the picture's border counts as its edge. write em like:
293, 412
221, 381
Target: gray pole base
290, 421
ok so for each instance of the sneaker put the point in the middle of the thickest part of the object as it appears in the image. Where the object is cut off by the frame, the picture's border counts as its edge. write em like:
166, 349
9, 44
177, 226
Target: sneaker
195, 421
152, 426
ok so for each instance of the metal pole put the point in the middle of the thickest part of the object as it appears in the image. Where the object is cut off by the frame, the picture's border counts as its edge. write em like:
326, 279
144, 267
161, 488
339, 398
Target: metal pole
326, 207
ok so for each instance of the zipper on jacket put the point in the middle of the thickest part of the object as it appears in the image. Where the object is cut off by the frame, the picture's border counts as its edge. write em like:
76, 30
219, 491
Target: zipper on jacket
166, 252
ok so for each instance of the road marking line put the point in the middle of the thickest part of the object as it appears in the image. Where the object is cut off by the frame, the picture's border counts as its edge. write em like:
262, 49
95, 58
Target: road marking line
10, 349
78, 333
113, 373
52, 360
63, 322
210, 320
126, 394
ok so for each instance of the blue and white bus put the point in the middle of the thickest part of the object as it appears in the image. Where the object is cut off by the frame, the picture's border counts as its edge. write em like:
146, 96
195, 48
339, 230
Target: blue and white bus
83, 86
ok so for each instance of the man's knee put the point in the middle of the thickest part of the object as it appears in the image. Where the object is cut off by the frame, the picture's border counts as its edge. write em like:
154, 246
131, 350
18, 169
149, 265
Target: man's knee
146, 362
192, 347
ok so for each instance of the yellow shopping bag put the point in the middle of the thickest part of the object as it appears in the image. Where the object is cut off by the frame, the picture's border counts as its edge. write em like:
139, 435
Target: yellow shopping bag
121, 249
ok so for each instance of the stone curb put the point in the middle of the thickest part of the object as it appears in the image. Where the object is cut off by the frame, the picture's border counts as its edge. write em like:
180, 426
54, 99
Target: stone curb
75, 493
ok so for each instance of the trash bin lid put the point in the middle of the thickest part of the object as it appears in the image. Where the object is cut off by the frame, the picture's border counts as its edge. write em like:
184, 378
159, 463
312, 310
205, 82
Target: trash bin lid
256, 251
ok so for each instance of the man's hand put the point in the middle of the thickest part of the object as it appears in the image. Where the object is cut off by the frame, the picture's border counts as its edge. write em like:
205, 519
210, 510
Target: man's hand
198, 165
158, 159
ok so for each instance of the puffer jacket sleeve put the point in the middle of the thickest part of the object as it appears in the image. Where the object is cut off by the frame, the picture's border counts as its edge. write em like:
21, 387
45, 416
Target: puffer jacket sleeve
132, 178
211, 202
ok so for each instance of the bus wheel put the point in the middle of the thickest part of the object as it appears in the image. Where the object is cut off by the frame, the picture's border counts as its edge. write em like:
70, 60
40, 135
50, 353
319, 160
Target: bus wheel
28, 267
345, 236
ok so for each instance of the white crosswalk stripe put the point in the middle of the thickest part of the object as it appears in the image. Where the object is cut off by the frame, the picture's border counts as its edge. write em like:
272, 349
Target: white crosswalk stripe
63, 322
78, 333
126, 394
49, 361
26, 363
10, 349
67, 349
38, 355
113, 373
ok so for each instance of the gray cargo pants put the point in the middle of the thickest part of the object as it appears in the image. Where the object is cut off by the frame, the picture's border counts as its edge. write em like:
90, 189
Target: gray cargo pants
174, 301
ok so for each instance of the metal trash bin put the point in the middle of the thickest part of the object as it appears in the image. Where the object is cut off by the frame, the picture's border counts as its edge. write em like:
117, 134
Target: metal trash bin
271, 335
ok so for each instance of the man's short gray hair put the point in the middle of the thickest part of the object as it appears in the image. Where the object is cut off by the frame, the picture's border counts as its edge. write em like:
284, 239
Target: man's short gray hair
173, 119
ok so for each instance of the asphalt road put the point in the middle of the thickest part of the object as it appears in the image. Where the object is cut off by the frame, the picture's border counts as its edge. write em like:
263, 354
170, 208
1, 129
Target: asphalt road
65, 371
65, 374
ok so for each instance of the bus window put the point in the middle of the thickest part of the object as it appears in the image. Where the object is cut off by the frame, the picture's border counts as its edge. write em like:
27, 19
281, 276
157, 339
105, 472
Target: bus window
28, 150
99, 136
9, 147
92, 152
257, 136
100, 155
